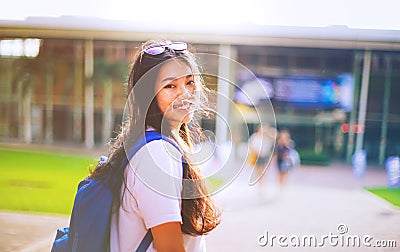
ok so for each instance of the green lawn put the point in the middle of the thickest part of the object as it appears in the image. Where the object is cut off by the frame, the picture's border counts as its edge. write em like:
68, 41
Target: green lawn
46, 182
390, 195
40, 182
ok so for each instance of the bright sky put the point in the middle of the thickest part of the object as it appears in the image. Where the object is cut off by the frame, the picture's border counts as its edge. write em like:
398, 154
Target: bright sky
382, 14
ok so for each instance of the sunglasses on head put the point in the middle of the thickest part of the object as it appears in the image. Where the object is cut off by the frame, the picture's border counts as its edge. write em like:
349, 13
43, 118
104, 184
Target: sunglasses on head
159, 49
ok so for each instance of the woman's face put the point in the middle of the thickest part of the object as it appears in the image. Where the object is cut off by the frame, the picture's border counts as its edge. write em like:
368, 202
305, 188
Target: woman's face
175, 92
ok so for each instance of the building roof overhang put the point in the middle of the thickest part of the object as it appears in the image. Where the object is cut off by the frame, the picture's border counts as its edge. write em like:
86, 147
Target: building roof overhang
335, 37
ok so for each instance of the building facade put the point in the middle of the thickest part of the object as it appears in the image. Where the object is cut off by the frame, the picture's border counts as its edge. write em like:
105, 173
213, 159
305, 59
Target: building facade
72, 89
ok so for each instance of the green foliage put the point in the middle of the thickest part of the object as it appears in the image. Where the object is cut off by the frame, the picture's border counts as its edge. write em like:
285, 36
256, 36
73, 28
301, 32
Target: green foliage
40, 182
388, 194
310, 157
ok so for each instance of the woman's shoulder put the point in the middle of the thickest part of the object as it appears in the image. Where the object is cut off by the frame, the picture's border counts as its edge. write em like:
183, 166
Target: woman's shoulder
155, 156
160, 150
164, 146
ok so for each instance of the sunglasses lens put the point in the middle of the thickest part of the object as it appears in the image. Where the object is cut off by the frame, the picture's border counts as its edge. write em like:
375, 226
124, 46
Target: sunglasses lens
178, 46
155, 50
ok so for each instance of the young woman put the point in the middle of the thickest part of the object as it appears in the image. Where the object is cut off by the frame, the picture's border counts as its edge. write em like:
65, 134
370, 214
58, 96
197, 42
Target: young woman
165, 91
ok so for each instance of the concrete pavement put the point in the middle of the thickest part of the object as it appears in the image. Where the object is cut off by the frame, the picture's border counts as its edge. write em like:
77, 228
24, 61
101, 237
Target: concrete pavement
315, 201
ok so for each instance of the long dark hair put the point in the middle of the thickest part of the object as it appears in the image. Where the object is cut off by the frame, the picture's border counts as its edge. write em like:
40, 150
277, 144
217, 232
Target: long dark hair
199, 214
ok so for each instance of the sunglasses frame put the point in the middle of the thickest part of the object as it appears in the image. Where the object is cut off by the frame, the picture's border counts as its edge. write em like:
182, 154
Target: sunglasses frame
160, 49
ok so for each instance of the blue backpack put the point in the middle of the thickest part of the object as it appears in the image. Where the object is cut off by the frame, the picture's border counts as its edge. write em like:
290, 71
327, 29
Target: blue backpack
89, 227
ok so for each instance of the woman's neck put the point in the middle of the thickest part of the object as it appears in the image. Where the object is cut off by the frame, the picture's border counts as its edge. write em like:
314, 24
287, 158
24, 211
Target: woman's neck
175, 130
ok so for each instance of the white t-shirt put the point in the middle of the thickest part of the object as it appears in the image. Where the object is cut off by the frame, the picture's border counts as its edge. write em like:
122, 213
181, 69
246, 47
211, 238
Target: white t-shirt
154, 185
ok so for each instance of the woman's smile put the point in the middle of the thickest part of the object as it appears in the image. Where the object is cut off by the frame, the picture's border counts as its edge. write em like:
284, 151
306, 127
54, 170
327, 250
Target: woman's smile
185, 105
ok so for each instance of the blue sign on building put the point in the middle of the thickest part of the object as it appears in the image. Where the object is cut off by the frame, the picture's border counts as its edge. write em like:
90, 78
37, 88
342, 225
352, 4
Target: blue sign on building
300, 91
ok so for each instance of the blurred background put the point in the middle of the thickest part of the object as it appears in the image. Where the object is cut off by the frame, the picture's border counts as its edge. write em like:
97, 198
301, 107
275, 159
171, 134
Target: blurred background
330, 69
333, 85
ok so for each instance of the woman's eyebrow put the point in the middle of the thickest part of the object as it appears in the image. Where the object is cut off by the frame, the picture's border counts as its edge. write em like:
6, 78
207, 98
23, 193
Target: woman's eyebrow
168, 79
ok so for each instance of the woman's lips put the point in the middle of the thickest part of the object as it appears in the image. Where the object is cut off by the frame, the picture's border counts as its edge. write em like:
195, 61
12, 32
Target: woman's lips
185, 105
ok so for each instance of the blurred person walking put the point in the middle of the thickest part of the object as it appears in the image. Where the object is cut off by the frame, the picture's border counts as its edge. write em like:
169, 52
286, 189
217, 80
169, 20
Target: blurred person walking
261, 145
286, 156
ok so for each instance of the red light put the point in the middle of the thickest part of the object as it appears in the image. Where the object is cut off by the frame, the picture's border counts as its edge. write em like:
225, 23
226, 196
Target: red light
345, 128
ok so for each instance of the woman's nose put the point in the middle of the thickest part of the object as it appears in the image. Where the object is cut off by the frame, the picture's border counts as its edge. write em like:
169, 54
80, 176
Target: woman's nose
183, 90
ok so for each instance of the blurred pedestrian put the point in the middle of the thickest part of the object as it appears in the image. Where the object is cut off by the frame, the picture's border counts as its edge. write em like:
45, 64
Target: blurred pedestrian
286, 156
261, 144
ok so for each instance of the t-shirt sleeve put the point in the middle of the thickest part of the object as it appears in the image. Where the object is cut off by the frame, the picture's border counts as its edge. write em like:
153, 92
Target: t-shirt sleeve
158, 183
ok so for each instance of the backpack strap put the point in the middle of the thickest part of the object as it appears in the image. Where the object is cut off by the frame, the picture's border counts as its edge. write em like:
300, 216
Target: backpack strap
142, 141
147, 138
145, 243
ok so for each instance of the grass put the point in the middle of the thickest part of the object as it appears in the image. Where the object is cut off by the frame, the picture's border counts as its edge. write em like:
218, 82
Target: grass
388, 194
40, 182
46, 182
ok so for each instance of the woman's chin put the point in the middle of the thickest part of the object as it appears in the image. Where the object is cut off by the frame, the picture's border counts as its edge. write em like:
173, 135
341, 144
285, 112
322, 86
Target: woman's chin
182, 120
178, 118
186, 119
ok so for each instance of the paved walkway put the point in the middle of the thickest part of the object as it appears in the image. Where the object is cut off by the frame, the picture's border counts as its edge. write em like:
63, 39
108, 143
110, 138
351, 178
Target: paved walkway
315, 201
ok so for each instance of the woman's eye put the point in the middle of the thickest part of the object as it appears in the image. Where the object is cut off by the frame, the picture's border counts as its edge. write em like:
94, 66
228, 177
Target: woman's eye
190, 83
169, 86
